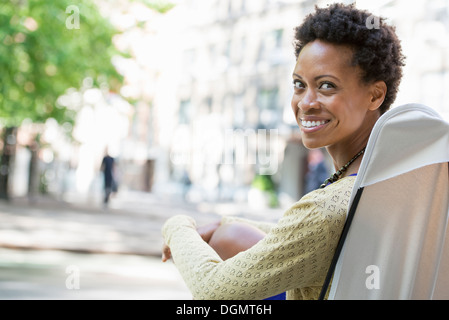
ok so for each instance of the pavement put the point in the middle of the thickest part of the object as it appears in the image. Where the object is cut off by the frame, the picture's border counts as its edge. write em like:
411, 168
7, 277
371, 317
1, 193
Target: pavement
52, 249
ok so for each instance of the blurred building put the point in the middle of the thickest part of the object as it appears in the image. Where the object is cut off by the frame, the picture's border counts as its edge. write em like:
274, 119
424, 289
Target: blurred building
211, 81
209, 85
423, 28
228, 71
222, 109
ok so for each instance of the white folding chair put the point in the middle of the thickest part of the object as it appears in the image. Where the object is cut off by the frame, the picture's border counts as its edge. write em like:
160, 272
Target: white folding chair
395, 244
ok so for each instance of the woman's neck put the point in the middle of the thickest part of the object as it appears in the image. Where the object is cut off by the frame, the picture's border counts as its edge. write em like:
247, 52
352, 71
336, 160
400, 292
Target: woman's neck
344, 151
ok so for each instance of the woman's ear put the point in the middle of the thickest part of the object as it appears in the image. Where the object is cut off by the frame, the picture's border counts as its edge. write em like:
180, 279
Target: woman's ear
378, 92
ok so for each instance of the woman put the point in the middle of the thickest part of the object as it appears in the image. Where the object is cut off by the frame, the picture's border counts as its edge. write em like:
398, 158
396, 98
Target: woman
346, 76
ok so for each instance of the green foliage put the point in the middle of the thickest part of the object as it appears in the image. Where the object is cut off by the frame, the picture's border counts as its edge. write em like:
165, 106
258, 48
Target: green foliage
158, 5
263, 182
266, 184
40, 57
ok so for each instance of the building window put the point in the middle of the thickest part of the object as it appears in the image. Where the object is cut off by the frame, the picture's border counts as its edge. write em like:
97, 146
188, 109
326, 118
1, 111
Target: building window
185, 112
271, 45
268, 98
189, 60
208, 104
277, 37
239, 116
269, 111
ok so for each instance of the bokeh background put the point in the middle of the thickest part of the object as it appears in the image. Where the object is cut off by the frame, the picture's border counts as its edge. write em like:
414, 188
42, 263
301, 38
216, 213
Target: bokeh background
170, 89
190, 97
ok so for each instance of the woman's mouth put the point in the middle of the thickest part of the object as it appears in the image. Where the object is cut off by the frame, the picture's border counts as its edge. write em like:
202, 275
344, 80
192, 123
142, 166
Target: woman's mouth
307, 124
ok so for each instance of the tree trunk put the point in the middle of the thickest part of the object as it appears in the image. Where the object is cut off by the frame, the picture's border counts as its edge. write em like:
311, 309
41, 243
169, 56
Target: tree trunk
6, 160
33, 176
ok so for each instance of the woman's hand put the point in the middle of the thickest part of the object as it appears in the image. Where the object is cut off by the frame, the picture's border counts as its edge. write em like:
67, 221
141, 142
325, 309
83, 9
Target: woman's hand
166, 253
205, 232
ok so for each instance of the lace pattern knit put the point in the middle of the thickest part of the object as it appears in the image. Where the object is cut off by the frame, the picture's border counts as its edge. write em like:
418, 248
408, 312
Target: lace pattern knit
294, 256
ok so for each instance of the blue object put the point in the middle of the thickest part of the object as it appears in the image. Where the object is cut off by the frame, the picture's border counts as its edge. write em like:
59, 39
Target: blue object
280, 296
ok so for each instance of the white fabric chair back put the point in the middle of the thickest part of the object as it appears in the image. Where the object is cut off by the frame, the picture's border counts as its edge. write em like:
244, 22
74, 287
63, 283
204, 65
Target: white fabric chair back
397, 246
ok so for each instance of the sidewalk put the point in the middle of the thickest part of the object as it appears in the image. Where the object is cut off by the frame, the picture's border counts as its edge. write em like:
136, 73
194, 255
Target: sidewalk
131, 225
61, 275
116, 251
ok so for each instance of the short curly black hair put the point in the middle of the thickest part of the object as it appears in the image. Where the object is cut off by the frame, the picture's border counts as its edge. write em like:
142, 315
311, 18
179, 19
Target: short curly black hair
377, 49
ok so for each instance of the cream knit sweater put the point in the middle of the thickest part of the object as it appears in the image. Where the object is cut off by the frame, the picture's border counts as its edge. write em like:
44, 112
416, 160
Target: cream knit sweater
294, 256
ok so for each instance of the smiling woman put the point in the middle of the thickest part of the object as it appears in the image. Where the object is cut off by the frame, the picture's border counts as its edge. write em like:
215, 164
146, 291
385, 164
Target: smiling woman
346, 76
333, 106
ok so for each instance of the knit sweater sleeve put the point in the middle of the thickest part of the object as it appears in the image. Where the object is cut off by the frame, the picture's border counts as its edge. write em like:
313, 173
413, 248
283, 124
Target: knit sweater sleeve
261, 225
295, 253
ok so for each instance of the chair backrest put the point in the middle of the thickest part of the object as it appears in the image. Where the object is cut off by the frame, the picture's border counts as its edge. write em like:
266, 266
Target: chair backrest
397, 244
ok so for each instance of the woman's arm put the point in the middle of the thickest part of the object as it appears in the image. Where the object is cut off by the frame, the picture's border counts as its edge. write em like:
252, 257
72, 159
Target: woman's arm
206, 232
261, 225
228, 237
296, 253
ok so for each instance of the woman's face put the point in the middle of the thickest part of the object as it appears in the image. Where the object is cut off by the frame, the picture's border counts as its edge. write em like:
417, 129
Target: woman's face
331, 103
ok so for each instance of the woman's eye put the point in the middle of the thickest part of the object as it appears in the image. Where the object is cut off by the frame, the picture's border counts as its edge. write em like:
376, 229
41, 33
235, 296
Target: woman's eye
327, 85
298, 84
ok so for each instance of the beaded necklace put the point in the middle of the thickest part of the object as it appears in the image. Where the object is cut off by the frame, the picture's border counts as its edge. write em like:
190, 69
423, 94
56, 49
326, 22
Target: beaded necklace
334, 177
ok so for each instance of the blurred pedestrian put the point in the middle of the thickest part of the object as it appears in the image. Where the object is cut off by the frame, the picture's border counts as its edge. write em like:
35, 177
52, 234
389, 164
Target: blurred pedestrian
186, 184
107, 167
317, 170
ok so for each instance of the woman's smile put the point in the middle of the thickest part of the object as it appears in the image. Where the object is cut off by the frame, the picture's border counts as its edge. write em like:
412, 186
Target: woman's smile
312, 125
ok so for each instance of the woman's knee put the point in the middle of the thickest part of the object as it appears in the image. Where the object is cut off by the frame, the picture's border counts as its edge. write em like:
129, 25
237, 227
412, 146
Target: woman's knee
232, 238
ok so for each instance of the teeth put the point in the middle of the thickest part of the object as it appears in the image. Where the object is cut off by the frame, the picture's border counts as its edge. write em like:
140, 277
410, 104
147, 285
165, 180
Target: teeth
311, 124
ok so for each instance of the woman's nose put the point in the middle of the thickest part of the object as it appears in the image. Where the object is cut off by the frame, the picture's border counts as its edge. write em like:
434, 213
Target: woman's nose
309, 101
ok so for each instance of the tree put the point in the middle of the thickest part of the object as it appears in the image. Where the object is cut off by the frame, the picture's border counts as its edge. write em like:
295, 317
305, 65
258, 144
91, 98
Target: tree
47, 47
44, 52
